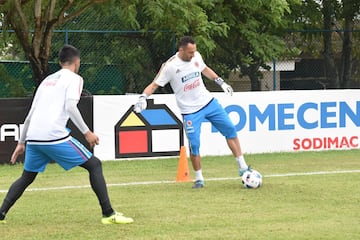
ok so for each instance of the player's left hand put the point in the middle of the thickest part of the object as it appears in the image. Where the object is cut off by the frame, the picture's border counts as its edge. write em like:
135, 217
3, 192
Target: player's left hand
227, 89
92, 139
20, 149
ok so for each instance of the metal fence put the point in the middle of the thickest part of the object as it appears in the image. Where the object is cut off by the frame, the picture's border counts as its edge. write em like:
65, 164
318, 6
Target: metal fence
311, 70
119, 62
113, 62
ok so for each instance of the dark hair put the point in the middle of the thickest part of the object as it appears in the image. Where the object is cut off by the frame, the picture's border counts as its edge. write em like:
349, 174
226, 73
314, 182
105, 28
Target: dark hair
68, 54
184, 41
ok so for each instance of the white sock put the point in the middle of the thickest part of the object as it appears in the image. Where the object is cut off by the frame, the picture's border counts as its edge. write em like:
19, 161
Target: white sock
241, 162
199, 175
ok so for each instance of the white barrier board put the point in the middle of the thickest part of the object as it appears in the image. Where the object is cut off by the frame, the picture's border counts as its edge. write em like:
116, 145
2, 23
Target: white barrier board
280, 121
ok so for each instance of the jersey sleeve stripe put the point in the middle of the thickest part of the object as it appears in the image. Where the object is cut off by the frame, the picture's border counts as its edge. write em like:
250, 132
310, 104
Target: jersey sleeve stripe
159, 72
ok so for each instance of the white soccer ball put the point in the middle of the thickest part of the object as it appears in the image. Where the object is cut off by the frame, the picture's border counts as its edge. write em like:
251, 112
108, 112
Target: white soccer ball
252, 179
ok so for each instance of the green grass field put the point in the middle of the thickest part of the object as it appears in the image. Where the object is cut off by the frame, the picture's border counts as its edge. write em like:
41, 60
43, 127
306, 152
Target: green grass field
323, 206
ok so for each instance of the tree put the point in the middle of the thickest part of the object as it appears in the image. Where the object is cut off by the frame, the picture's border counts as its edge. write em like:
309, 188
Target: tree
34, 21
254, 35
335, 20
238, 34
138, 55
350, 10
328, 53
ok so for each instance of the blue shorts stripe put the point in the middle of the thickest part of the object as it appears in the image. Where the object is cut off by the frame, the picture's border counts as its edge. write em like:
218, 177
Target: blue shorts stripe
81, 148
77, 149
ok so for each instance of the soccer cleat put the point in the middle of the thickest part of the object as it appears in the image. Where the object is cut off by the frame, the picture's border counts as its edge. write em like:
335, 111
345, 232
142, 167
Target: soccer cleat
116, 218
243, 170
198, 184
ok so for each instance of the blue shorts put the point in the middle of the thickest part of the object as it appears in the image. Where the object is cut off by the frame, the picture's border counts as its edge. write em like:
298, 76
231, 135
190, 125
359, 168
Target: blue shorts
68, 154
216, 115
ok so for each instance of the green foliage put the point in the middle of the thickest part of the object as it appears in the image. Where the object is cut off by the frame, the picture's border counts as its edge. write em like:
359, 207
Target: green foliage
254, 36
326, 32
138, 55
350, 8
10, 86
182, 17
308, 17
235, 33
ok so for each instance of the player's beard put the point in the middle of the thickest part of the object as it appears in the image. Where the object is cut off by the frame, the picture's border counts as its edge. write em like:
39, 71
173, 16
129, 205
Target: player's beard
186, 58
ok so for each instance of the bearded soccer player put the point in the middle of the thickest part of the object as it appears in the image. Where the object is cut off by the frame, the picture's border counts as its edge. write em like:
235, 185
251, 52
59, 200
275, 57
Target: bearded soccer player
183, 71
47, 137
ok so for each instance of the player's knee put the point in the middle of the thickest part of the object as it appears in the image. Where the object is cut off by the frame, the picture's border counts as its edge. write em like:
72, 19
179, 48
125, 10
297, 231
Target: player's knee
96, 161
92, 164
230, 132
194, 144
28, 177
195, 149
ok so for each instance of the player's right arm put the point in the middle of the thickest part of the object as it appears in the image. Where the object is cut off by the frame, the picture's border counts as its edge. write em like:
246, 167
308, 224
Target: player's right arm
161, 79
150, 89
20, 148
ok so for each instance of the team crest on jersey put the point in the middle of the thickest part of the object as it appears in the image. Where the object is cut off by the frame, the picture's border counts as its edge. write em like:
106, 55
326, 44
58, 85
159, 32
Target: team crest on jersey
196, 64
189, 127
177, 71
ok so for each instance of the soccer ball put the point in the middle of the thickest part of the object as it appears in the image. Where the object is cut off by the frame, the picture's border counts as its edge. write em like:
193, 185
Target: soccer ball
252, 179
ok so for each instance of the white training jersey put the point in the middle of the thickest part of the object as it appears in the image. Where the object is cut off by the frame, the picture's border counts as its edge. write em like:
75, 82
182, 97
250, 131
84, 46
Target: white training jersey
48, 115
186, 81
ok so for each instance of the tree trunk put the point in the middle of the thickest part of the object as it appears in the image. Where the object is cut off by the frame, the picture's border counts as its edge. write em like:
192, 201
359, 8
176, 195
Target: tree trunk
331, 71
346, 57
36, 40
40, 70
253, 73
255, 84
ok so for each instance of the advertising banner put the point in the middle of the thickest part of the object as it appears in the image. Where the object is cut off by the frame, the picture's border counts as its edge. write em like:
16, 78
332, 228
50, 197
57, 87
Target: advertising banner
279, 121
12, 115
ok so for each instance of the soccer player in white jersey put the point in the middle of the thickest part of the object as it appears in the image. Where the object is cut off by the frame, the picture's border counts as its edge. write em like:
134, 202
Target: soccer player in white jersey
183, 71
47, 137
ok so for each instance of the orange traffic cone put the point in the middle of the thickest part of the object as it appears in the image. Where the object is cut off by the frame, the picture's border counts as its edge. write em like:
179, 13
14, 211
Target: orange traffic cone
183, 174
